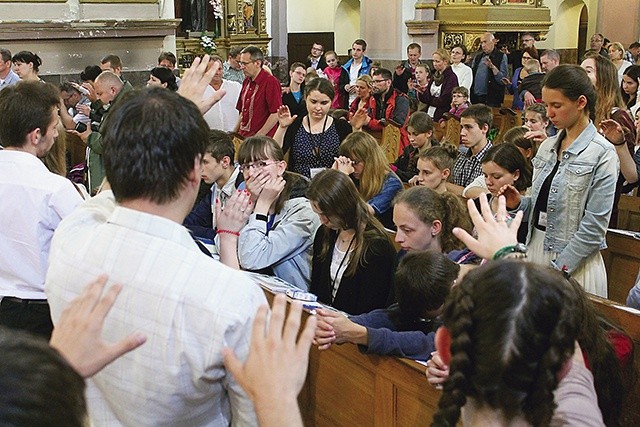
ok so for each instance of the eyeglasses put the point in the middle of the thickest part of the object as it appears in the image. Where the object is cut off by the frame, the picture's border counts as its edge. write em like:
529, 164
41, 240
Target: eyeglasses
244, 64
244, 168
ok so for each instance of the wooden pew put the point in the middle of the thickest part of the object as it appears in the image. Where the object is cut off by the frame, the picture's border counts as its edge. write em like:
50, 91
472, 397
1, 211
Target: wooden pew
388, 139
451, 132
503, 120
347, 388
629, 213
622, 261
629, 322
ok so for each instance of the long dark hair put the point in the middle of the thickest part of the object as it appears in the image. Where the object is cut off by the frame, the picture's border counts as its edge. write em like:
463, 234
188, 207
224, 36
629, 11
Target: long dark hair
633, 72
337, 197
165, 75
513, 326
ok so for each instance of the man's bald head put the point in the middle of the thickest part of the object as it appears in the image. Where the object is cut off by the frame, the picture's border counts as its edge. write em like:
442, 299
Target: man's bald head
108, 85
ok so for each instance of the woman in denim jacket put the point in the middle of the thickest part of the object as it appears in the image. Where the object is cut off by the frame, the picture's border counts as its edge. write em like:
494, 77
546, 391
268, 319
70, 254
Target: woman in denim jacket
574, 181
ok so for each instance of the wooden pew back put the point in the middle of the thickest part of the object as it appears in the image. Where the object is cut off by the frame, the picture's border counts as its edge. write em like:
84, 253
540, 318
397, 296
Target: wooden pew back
629, 322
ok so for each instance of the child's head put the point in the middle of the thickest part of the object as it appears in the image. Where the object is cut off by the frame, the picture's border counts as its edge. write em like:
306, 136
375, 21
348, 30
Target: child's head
422, 74
435, 165
460, 95
531, 66
420, 129
332, 59
422, 282
535, 117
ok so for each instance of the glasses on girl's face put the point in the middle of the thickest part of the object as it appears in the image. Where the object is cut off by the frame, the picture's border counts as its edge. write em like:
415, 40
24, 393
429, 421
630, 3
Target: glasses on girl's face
245, 167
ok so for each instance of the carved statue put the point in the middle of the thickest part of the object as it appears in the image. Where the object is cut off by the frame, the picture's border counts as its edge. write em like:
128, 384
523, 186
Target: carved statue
196, 19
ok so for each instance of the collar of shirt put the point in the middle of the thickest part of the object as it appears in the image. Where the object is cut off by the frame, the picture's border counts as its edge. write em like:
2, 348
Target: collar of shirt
153, 225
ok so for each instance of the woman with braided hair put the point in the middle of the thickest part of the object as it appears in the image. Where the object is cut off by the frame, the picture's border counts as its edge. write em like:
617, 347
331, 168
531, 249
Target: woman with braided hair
509, 341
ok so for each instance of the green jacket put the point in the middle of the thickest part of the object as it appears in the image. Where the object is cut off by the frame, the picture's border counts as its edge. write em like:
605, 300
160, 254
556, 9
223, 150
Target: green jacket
94, 142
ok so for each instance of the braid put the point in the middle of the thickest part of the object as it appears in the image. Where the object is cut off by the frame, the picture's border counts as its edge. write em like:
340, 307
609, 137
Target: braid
540, 405
459, 307
455, 215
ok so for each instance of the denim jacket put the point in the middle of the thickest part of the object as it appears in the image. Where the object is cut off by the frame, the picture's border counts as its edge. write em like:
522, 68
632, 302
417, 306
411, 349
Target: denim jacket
580, 197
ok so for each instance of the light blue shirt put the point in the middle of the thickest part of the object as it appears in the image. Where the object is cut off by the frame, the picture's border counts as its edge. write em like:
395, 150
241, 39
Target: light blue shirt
11, 79
580, 197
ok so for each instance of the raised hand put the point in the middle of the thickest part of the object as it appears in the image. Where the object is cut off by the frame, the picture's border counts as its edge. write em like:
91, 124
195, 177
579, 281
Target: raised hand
276, 367
494, 232
195, 81
78, 333
613, 131
284, 117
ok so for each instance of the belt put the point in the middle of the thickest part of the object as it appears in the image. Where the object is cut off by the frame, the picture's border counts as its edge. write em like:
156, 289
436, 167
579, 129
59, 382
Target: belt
25, 301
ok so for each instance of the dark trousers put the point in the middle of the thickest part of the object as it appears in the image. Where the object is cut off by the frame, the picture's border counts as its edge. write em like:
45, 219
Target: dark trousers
26, 315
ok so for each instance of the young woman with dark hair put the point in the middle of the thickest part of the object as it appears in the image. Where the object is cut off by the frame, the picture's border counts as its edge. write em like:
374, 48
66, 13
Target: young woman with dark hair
353, 259
630, 88
163, 77
574, 180
27, 65
313, 140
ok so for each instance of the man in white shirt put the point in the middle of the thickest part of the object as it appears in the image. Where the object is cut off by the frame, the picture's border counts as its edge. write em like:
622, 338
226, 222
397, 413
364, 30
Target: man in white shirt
223, 115
34, 201
7, 76
188, 305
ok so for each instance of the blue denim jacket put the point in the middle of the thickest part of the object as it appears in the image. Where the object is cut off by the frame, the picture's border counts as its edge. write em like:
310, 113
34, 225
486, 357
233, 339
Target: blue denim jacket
580, 197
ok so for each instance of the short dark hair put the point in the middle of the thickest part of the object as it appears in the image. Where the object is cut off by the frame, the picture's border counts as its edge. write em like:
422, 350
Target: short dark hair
68, 87
295, 65
25, 107
324, 86
422, 282
361, 43
480, 113
169, 56
27, 57
235, 51
414, 46
220, 145
255, 52
90, 73
114, 60
38, 386
634, 45
145, 154
165, 75
5, 54
384, 73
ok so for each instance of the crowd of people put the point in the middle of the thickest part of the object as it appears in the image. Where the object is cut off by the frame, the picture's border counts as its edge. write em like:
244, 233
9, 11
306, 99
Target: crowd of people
409, 252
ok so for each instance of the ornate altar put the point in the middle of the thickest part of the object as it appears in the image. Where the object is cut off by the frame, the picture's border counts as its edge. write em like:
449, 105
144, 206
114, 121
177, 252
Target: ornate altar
240, 23
464, 21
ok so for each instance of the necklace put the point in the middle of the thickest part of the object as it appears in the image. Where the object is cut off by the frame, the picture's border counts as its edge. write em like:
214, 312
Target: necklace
316, 144
334, 283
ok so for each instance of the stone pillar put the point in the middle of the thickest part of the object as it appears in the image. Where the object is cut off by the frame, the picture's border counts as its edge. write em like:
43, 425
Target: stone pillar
424, 27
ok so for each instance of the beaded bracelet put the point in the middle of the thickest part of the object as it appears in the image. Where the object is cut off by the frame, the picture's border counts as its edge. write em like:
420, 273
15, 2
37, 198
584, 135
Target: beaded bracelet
233, 233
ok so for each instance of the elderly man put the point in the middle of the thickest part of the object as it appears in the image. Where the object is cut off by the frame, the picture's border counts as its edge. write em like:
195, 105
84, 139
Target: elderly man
34, 201
260, 97
489, 67
179, 298
108, 88
7, 76
223, 115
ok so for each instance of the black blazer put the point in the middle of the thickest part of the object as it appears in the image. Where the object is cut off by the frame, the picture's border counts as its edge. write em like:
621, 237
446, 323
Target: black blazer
368, 289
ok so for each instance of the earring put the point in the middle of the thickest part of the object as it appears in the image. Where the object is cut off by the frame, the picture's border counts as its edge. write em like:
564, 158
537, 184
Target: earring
433, 234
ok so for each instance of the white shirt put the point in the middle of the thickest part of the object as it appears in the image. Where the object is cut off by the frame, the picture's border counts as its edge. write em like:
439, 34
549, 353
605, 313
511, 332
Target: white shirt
465, 75
188, 305
354, 72
622, 69
33, 201
223, 115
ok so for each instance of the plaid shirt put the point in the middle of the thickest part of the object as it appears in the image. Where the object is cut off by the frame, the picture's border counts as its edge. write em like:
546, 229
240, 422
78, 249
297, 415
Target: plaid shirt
468, 167
628, 56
